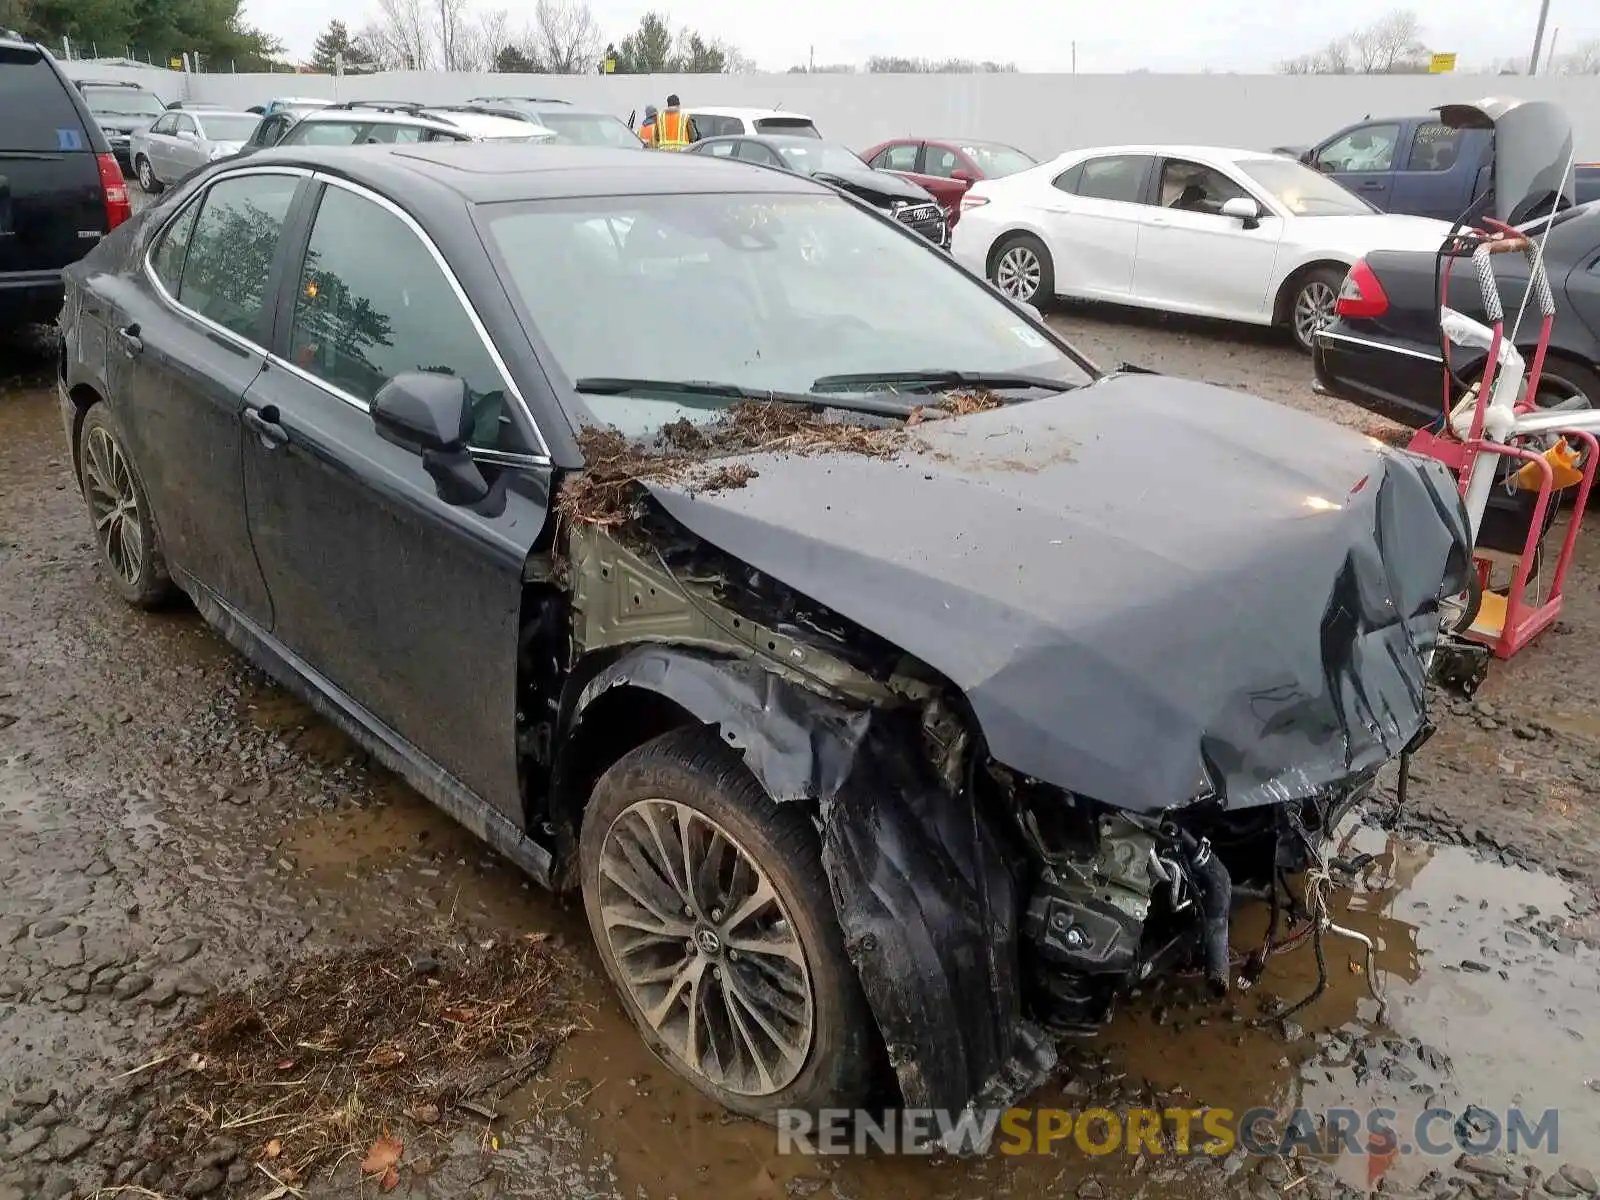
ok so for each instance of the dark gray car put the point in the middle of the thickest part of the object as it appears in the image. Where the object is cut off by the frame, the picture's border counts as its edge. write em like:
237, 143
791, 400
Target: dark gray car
829, 631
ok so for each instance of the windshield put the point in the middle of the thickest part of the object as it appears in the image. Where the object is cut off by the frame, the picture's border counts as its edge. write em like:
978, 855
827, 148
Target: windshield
996, 162
810, 157
1304, 192
122, 102
228, 128
590, 129
757, 291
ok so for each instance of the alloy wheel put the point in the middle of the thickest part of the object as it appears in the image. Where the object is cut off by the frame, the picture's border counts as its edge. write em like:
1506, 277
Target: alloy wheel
1017, 273
1313, 308
114, 505
147, 177
706, 947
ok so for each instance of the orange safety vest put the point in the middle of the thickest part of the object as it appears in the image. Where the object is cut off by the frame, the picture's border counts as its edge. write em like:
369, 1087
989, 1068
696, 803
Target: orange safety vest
671, 129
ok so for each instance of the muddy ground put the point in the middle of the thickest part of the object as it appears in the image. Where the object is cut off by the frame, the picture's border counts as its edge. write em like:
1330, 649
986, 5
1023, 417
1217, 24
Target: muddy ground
171, 823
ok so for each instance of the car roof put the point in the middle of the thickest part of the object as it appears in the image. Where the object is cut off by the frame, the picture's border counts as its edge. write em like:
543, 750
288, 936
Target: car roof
1222, 154
754, 114
205, 114
116, 83
490, 172
776, 140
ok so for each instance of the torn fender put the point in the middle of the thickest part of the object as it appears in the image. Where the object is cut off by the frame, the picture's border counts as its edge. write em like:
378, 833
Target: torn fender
922, 886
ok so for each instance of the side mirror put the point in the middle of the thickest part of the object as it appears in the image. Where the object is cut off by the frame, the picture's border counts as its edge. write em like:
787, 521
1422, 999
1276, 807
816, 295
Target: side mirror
1309, 158
964, 175
431, 415
1244, 210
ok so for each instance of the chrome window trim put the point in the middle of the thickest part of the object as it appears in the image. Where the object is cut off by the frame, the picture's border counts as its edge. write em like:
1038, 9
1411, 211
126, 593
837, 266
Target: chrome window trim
497, 457
166, 227
1376, 345
543, 453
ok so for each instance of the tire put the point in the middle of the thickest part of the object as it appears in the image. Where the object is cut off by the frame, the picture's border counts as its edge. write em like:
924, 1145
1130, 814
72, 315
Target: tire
1311, 305
1021, 267
147, 176
688, 778
125, 534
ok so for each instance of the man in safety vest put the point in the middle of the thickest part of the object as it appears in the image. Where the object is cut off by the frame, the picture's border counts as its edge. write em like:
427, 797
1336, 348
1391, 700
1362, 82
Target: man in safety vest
647, 128
672, 130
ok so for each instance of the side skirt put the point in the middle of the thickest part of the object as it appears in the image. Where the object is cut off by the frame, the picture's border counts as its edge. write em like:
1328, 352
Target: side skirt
367, 731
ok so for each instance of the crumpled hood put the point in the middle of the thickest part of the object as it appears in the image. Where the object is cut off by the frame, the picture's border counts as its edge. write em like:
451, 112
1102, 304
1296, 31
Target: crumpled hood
1145, 588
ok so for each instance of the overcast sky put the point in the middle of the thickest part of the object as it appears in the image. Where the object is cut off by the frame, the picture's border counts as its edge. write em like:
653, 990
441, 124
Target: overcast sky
1038, 35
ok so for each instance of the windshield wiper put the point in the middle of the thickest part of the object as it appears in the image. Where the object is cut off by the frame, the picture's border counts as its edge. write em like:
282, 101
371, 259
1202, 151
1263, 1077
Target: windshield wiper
939, 380
601, 385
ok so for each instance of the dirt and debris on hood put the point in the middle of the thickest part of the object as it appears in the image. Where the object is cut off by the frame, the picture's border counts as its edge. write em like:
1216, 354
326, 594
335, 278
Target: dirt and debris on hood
344, 1053
607, 491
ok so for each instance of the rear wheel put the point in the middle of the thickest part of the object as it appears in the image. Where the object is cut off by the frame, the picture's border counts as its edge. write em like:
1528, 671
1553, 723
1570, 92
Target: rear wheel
1311, 306
147, 176
709, 905
1020, 267
124, 528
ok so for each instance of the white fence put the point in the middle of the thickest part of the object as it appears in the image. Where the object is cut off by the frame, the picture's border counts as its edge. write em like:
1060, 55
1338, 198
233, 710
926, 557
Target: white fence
1042, 114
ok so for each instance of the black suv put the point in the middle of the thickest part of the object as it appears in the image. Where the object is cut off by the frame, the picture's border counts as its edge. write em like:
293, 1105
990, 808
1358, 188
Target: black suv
121, 109
61, 190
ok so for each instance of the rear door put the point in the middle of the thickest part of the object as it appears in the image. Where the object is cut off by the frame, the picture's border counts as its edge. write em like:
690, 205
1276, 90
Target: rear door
1436, 176
1093, 211
195, 339
52, 203
1363, 158
936, 172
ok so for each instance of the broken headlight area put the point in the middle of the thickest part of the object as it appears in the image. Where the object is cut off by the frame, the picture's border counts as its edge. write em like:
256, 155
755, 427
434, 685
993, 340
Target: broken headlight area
1116, 898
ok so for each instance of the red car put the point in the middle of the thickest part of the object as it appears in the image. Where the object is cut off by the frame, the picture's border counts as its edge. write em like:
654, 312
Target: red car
947, 167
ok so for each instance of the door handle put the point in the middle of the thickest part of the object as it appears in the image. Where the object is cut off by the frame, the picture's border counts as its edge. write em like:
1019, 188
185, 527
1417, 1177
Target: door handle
265, 422
1160, 221
132, 343
1370, 185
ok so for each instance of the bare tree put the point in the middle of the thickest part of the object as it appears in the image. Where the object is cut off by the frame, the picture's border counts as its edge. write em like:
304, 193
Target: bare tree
398, 38
1390, 41
735, 61
1584, 59
481, 38
566, 39
1391, 45
450, 26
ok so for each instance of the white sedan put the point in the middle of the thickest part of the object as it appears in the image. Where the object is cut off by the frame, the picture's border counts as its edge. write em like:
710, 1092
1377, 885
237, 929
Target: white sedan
1236, 234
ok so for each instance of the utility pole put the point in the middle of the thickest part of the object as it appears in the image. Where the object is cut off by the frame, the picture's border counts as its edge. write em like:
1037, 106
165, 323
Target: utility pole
812, 69
1538, 37
1074, 58
1550, 57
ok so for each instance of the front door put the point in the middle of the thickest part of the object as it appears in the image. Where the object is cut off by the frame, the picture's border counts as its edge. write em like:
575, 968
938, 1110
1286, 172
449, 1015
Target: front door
1193, 259
1363, 159
191, 350
407, 605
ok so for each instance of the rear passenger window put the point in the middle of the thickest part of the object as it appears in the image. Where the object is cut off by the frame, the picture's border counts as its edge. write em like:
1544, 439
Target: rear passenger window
38, 115
1434, 147
326, 133
373, 304
896, 158
231, 249
166, 260
1115, 177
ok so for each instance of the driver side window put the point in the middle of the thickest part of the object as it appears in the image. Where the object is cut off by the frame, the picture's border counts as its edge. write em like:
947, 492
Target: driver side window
1365, 148
1191, 187
373, 303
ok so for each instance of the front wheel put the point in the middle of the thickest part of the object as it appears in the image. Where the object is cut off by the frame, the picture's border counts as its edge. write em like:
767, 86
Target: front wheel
1020, 266
1312, 305
147, 175
709, 905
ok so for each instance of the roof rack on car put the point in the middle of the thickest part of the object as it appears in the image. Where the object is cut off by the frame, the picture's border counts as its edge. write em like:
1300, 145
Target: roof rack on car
407, 106
524, 99
486, 110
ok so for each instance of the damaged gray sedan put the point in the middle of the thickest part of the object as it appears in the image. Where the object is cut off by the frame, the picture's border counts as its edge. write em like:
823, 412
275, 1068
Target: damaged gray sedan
896, 686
